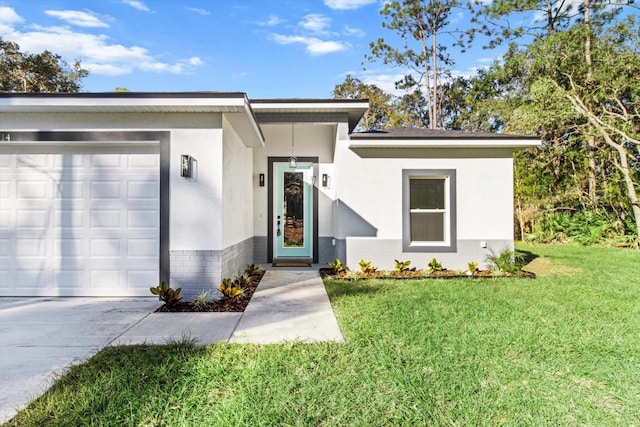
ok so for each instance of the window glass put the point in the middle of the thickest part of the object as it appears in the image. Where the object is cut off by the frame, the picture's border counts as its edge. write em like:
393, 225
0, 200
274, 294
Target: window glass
426, 193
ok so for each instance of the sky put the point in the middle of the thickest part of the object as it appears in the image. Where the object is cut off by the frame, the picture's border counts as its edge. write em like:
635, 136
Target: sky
264, 48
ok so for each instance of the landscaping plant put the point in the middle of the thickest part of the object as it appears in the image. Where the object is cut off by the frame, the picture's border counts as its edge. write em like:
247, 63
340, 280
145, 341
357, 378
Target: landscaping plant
229, 289
401, 266
434, 265
337, 266
366, 267
201, 300
507, 261
166, 293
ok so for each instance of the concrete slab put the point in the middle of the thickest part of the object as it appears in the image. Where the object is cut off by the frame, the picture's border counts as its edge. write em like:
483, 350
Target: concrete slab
288, 305
161, 328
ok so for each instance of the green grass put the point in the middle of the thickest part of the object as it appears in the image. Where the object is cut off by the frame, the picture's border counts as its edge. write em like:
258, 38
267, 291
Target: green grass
563, 349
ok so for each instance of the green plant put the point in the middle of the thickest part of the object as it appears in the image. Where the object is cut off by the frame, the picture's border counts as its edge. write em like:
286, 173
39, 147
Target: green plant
337, 266
166, 293
252, 270
507, 261
367, 267
201, 300
402, 266
472, 266
242, 280
229, 289
434, 265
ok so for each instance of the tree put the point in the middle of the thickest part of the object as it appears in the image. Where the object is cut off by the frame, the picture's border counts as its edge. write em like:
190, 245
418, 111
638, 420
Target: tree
379, 110
43, 72
419, 23
593, 100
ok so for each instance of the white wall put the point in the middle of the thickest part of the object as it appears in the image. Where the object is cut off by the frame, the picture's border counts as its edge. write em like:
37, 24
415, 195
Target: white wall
238, 185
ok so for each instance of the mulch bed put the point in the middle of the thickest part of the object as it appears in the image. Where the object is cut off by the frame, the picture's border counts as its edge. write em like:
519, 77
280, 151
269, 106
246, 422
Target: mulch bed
418, 274
220, 306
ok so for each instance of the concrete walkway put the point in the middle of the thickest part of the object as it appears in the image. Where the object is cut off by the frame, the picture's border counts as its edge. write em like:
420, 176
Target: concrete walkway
40, 337
288, 305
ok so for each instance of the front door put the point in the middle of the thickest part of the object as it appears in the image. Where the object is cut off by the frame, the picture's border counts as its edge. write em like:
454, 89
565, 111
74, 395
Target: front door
293, 210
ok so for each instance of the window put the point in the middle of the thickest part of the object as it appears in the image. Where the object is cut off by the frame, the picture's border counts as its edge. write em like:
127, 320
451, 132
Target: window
429, 211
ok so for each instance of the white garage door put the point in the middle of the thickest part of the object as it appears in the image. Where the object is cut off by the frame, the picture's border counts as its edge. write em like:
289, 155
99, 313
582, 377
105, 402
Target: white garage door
79, 221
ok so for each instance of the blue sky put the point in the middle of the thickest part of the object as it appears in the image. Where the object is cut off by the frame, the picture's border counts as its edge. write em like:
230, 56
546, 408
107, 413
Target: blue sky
266, 48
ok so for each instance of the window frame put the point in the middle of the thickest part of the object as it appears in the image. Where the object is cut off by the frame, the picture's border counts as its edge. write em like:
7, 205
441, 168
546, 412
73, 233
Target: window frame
450, 242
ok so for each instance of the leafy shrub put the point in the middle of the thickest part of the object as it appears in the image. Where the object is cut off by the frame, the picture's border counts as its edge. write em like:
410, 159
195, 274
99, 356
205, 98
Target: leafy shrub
166, 293
434, 265
201, 300
472, 266
337, 266
243, 280
367, 267
583, 227
401, 266
229, 289
252, 270
507, 261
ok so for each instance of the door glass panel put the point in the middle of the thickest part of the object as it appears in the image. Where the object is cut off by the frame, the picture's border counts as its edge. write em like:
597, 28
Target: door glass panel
293, 209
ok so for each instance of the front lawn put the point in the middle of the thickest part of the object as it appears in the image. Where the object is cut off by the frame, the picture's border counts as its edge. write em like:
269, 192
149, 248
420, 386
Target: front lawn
563, 349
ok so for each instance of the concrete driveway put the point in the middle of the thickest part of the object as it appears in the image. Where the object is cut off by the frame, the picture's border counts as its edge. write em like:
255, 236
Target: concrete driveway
39, 337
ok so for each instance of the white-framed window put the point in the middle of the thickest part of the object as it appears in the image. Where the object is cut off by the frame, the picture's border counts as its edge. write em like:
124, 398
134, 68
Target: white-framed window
429, 210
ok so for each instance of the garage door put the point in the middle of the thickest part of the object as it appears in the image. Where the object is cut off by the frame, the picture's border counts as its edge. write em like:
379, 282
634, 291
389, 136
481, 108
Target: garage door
79, 220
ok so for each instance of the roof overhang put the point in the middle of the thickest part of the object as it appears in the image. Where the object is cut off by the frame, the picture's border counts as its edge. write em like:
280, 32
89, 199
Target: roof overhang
310, 110
234, 105
516, 143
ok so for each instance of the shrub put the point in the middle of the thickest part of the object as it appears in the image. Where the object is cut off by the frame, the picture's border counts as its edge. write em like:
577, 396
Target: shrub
507, 261
242, 280
367, 267
229, 289
402, 266
252, 270
166, 293
337, 266
472, 266
202, 300
434, 265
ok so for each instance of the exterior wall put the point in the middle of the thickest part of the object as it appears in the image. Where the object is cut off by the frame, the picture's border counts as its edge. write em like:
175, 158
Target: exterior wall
195, 210
237, 209
311, 140
369, 203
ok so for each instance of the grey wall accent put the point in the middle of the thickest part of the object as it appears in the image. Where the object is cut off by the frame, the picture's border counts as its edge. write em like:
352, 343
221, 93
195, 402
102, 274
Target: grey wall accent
195, 271
383, 252
260, 249
341, 250
236, 257
326, 250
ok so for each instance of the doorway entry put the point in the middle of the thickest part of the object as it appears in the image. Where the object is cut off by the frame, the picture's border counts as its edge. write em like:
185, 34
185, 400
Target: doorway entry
293, 200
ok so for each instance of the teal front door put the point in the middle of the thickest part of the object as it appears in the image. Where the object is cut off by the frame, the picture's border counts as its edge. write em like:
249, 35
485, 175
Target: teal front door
293, 210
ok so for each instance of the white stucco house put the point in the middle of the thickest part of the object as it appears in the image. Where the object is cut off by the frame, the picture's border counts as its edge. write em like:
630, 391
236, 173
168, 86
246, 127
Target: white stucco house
106, 194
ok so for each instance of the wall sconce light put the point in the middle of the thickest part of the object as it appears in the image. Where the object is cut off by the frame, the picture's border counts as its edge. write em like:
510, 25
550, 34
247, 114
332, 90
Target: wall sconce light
325, 180
186, 162
261, 180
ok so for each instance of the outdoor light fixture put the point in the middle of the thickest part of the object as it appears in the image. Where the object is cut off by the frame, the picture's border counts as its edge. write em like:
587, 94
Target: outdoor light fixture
261, 180
186, 166
325, 180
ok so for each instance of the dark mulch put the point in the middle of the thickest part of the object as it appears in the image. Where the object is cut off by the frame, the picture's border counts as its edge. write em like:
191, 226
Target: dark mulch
223, 305
417, 274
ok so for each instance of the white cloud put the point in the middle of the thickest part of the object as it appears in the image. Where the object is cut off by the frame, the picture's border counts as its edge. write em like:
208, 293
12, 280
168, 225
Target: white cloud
314, 45
8, 16
77, 17
198, 10
354, 32
136, 4
98, 53
315, 22
347, 4
271, 22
